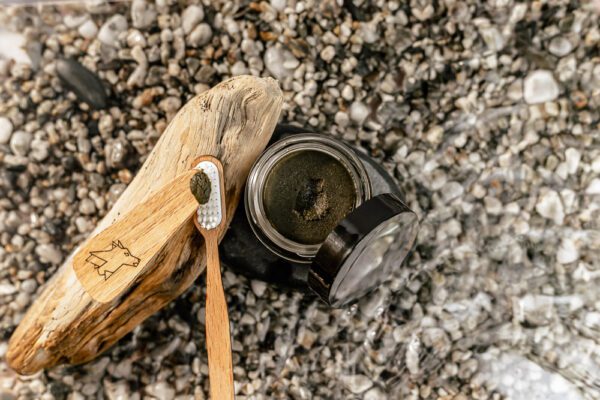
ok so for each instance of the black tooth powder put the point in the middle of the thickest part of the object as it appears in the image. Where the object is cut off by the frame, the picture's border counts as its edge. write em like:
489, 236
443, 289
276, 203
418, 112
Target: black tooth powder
306, 194
200, 186
312, 203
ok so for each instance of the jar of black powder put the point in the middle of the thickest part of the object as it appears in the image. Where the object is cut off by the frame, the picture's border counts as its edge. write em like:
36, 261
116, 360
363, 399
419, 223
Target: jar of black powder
320, 215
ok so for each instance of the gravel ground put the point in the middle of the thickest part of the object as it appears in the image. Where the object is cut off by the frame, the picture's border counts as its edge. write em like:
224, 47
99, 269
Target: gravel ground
485, 111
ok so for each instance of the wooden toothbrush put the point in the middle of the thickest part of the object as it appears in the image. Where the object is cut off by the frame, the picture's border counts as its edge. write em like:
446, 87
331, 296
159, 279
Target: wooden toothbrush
112, 261
207, 187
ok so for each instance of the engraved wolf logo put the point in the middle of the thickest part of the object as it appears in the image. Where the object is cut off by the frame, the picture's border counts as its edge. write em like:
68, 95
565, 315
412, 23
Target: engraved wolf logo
107, 262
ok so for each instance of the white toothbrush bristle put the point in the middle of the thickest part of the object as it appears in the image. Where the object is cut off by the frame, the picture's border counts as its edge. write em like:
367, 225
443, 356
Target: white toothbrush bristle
210, 214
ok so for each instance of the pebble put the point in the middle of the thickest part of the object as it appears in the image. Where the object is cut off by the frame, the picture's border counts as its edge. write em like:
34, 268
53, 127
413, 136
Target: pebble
357, 384
87, 207
359, 112
191, 17
106, 125
49, 253
412, 355
112, 28
40, 149
258, 287
239, 68
6, 130
160, 390
492, 205
89, 389
201, 35
83, 225
139, 74
451, 190
122, 369
540, 87
88, 29
7, 289
12, 48
279, 62
375, 394
29, 286
567, 252
170, 105
142, 14
278, 5
118, 390
341, 119
371, 304
86, 85
535, 310
20, 143
328, 53
115, 153
74, 20
435, 135
560, 46
136, 38
573, 157
492, 38
593, 187
22, 300
348, 93
550, 206
306, 338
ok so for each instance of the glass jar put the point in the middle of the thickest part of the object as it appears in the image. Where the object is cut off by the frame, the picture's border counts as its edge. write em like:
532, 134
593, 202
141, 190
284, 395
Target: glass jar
371, 233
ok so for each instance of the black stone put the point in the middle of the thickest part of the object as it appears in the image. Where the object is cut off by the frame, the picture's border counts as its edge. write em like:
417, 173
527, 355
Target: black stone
86, 85
59, 390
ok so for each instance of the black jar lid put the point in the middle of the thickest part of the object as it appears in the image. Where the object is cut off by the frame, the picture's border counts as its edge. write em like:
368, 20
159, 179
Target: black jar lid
363, 250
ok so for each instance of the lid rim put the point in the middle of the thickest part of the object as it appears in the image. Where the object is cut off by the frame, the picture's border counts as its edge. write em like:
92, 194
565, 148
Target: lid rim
345, 238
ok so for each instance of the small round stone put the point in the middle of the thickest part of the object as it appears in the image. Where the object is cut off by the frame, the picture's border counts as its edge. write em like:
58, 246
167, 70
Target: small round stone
88, 29
6, 129
560, 46
20, 143
279, 62
567, 252
239, 68
540, 87
279, 5
201, 35
594, 187
87, 207
49, 253
549, 205
191, 17
40, 149
109, 32
328, 53
142, 14
359, 112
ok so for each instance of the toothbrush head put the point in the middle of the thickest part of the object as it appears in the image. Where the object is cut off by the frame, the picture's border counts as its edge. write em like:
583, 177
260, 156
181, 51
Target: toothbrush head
206, 185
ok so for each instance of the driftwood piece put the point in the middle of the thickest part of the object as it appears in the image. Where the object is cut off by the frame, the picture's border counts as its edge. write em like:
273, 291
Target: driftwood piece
233, 122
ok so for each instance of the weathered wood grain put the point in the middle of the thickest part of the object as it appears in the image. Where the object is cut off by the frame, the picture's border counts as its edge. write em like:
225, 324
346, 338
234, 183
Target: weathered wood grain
233, 122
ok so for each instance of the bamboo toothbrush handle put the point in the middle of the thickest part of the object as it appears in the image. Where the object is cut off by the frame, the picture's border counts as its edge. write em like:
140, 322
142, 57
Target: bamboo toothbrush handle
218, 338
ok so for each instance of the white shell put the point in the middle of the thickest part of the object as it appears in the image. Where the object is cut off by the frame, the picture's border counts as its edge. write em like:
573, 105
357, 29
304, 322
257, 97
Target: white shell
210, 214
